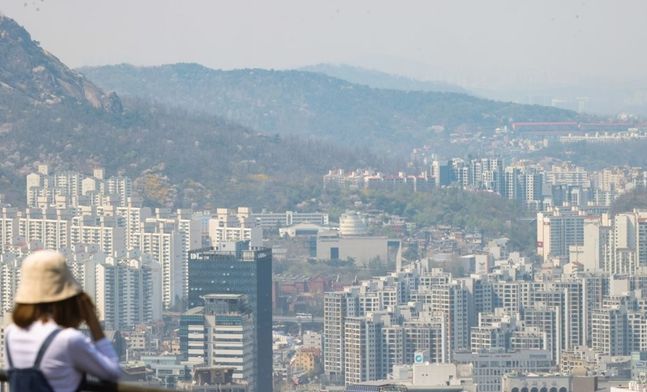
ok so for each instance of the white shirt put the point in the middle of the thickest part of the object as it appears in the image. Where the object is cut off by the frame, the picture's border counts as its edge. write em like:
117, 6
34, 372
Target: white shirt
69, 355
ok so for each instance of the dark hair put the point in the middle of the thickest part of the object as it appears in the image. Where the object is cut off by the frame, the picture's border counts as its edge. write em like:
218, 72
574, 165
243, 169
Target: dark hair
66, 313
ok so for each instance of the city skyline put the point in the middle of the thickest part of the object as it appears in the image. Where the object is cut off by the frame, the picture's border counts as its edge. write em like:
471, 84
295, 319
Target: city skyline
327, 228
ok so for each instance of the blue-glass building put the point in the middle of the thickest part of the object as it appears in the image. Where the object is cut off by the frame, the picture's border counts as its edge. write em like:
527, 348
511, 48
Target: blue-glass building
236, 268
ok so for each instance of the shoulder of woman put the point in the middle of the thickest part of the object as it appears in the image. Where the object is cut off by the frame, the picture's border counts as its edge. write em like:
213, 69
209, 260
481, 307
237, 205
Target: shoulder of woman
74, 337
13, 328
8, 328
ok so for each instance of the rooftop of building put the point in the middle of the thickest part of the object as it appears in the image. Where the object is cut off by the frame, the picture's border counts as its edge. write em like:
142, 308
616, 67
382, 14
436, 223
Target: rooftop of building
194, 311
240, 250
223, 296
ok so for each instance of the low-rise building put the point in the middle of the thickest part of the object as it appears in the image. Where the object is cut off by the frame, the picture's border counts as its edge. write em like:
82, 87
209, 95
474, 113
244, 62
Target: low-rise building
489, 367
517, 382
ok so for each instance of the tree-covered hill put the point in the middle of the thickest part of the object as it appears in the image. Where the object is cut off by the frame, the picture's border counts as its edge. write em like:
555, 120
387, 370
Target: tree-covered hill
51, 114
178, 158
312, 104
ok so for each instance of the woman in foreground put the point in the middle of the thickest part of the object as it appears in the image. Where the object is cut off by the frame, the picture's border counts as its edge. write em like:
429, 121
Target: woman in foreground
44, 350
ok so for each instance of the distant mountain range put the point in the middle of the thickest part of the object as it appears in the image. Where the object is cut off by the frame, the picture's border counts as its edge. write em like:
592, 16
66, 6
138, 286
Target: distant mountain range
175, 128
316, 105
382, 80
51, 114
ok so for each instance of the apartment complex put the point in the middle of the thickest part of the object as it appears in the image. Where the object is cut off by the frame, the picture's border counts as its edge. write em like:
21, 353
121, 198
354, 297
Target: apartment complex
511, 316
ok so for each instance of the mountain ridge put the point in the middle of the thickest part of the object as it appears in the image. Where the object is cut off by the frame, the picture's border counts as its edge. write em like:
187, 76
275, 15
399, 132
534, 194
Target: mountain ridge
175, 158
383, 80
316, 105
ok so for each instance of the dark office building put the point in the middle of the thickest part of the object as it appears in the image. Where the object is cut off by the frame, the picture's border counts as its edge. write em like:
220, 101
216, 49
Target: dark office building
236, 269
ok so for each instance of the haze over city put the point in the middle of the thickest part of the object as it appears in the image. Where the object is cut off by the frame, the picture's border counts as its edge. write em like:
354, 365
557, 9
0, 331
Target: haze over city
499, 44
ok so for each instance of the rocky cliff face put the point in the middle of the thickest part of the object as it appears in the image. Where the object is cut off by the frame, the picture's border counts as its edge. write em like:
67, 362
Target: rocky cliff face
29, 72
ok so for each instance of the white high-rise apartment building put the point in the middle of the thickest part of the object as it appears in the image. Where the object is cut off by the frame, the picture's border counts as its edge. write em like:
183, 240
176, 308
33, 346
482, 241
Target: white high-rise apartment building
528, 339
568, 175
597, 238
616, 245
42, 189
105, 295
490, 337
451, 299
127, 291
629, 243
9, 278
162, 241
133, 216
610, 180
8, 227
139, 290
82, 261
362, 347
608, 331
532, 187
72, 189
594, 289
512, 190
558, 230
94, 183
49, 227
337, 307
69, 185
392, 348
189, 227
572, 310
427, 333
37, 185
108, 232
122, 187
230, 225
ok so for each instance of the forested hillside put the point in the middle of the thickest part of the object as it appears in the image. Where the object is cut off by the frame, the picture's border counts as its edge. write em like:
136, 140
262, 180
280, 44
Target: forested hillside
51, 114
315, 105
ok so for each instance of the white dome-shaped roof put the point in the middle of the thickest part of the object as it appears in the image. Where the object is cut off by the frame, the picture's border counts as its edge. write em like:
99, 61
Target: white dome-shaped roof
351, 223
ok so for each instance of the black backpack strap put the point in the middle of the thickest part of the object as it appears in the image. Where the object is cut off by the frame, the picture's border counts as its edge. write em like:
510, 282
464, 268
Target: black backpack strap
81, 386
6, 343
44, 347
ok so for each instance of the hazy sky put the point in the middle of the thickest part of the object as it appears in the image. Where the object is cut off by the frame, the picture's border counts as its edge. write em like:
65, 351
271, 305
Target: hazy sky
480, 43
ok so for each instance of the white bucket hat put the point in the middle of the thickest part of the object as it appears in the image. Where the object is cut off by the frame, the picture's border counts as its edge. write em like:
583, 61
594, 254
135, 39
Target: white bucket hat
44, 277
